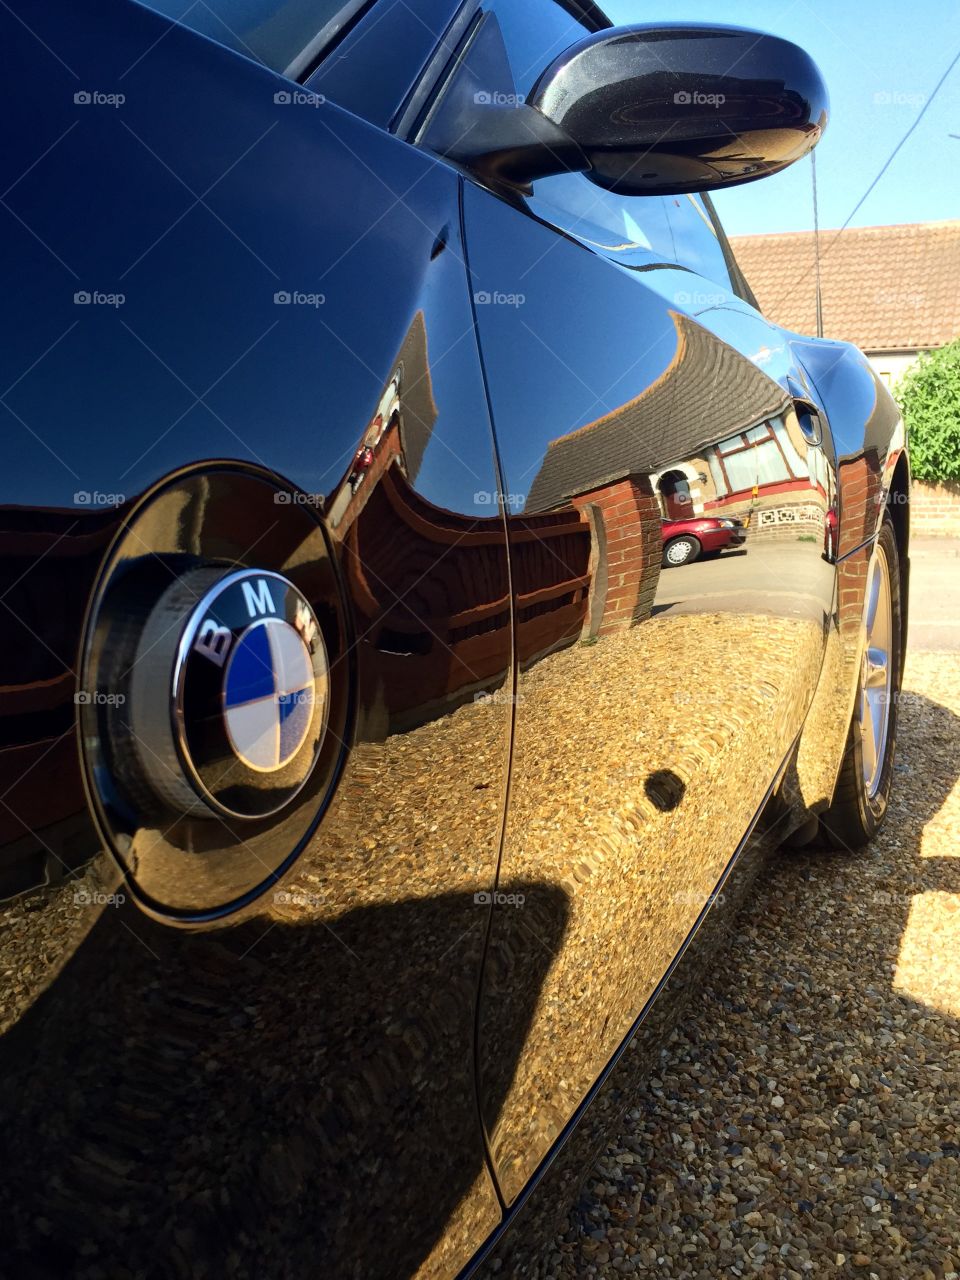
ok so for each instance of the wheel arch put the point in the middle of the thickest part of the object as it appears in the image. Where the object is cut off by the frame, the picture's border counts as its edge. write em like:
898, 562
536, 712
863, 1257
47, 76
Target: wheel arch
898, 505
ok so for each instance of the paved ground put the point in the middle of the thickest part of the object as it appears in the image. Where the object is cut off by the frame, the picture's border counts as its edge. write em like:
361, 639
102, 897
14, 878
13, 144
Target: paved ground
781, 578
935, 594
805, 1118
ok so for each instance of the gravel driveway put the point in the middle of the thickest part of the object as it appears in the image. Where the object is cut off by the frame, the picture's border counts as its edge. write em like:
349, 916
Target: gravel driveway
805, 1117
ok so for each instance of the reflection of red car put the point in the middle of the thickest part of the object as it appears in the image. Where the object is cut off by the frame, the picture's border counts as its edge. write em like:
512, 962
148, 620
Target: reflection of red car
684, 540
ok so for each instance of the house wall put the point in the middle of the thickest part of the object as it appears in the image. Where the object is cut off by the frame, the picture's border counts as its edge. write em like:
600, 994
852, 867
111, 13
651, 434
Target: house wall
890, 366
935, 510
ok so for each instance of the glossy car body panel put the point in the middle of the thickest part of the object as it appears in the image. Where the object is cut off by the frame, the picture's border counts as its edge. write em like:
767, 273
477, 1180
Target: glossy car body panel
659, 685
302, 1068
216, 1070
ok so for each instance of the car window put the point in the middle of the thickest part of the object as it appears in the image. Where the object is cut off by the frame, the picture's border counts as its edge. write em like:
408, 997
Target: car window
534, 33
282, 34
519, 39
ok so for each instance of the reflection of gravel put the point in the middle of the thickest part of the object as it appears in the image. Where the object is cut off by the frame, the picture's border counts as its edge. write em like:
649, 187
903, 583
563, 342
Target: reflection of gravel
638, 763
805, 1118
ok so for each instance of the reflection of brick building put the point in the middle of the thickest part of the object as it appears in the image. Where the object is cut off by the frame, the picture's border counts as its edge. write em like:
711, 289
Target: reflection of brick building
430, 591
767, 471
627, 546
707, 392
429, 587
657, 455
49, 557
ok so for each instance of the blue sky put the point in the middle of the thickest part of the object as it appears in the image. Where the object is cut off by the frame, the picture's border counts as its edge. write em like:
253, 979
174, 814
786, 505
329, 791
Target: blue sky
881, 59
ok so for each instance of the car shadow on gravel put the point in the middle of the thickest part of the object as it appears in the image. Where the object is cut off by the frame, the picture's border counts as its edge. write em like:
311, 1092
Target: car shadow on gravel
804, 1119
286, 1099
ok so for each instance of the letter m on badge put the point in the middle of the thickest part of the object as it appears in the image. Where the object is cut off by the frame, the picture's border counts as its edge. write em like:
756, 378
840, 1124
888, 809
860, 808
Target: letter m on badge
258, 599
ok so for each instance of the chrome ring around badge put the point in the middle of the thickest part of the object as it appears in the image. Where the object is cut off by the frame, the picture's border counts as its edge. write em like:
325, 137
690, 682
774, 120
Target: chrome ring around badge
250, 694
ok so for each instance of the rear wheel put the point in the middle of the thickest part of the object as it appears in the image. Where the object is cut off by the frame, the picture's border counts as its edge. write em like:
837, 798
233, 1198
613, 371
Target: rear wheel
866, 774
682, 550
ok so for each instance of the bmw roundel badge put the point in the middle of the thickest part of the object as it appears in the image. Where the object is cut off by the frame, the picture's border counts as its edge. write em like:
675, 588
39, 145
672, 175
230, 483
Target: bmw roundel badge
242, 666
268, 693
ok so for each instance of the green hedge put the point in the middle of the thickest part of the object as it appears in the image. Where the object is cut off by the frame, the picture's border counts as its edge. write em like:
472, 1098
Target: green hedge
929, 398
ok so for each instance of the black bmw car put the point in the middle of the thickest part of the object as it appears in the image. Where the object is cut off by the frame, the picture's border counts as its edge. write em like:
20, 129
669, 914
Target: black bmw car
365, 778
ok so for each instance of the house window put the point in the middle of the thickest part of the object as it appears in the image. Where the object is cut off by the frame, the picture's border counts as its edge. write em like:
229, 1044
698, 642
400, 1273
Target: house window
764, 454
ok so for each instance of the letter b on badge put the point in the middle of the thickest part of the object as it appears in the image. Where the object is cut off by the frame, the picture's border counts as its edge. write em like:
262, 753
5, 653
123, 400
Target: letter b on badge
213, 641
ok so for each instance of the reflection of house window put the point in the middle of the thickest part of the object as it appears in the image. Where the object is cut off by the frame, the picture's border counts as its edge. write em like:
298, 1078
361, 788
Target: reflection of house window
717, 474
795, 462
817, 469
763, 455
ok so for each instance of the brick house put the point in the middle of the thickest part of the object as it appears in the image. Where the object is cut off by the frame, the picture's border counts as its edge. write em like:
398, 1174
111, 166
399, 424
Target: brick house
893, 291
658, 456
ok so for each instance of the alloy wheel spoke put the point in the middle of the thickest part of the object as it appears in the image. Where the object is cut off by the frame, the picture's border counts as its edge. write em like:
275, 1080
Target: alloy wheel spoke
873, 599
875, 672
875, 666
868, 728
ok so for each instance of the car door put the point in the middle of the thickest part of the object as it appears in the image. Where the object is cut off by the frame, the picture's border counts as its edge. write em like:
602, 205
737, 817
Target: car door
655, 708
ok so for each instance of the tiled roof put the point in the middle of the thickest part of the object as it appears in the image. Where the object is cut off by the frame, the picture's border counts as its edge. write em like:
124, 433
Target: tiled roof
706, 393
884, 288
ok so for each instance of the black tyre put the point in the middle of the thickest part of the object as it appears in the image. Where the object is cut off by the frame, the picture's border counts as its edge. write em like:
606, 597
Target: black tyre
682, 550
866, 774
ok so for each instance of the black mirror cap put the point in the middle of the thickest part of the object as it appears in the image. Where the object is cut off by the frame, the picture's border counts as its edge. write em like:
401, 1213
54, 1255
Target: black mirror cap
667, 110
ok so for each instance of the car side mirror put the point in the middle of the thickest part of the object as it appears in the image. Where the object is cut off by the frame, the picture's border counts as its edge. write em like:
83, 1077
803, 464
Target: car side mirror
653, 110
